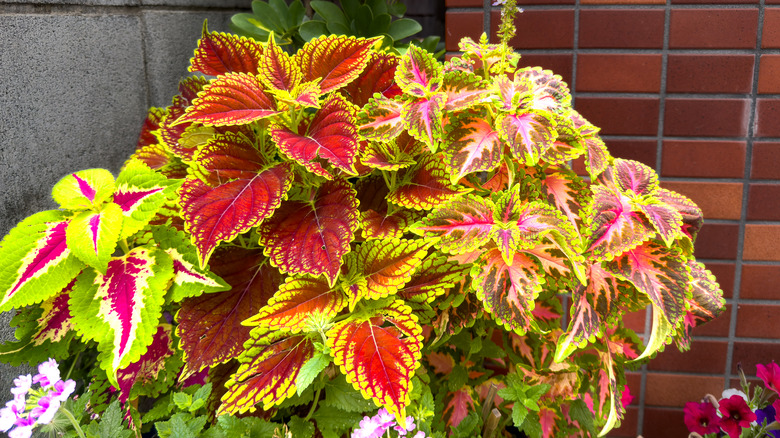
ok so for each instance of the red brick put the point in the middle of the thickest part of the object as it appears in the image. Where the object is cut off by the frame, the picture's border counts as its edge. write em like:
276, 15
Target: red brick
545, 2
635, 321
463, 3
628, 426
758, 321
704, 159
539, 29
769, 74
704, 357
712, 2
621, 28
717, 200
644, 151
760, 282
621, 115
713, 28
706, 117
622, 2
764, 202
717, 241
751, 353
619, 72
664, 423
762, 242
634, 382
724, 274
768, 118
717, 327
560, 64
461, 24
770, 38
675, 390
725, 73
766, 157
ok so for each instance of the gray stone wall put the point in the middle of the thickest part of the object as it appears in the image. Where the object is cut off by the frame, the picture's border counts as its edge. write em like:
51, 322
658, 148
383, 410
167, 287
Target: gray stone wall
76, 79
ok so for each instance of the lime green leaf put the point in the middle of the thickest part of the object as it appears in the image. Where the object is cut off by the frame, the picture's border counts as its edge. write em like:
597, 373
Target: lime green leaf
83, 190
92, 236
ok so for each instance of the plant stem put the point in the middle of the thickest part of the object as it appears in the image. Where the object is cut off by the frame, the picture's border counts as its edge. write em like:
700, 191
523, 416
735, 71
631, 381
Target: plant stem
123, 245
73, 422
72, 365
313, 404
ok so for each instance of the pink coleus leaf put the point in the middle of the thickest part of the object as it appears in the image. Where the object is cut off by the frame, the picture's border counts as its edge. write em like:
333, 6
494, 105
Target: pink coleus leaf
55, 321
423, 119
276, 69
598, 156
472, 146
584, 326
632, 178
217, 214
35, 260
458, 405
331, 136
312, 237
464, 90
615, 227
378, 355
85, 189
378, 77
666, 220
121, 309
692, 219
506, 290
549, 91
147, 369
335, 59
423, 186
563, 189
299, 299
267, 373
380, 119
460, 225
418, 73
220, 53
231, 99
528, 134
93, 235
210, 325
511, 92
705, 303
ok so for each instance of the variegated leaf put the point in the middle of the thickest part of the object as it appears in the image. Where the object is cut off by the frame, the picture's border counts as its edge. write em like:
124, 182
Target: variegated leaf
385, 156
93, 235
190, 86
231, 99
139, 192
692, 219
584, 326
276, 69
121, 309
472, 146
55, 321
219, 53
464, 90
615, 227
379, 355
35, 261
83, 190
312, 237
380, 119
460, 225
335, 59
563, 189
665, 219
634, 178
434, 277
458, 405
549, 90
423, 186
149, 367
705, 303
385, 226
151, 124
528, 134
423, 119
377, 77
387, 265
418, 73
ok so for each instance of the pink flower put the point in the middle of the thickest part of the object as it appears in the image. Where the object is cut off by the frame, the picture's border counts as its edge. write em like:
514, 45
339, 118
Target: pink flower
45, 410
735, 415
701, 418
626, 398
49, 373
770, 374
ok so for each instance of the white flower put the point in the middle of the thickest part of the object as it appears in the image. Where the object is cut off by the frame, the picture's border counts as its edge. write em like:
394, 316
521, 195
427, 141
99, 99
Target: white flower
729, 392
49, 373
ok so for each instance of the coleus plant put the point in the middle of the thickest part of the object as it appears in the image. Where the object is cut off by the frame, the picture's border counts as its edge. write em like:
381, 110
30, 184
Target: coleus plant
344, 220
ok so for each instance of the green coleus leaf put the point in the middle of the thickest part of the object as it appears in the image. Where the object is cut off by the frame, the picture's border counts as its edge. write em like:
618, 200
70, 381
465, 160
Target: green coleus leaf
705, 303
460, 225
310, 370
507, 291
381, 119
379, 355
83, 190
312, 237
120, 309
418, 73
334, 59
334, 423
423, 119
140, 192
35, 261
219, 53
276, 69
528, 134
268, 372
231, 99
92, 236
472, 146
424, 185
298, 300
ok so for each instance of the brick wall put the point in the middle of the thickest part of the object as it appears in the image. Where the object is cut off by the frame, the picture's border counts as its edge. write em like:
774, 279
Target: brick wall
688, 87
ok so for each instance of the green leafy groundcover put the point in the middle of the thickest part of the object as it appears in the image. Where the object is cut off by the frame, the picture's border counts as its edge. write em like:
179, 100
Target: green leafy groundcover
319, 234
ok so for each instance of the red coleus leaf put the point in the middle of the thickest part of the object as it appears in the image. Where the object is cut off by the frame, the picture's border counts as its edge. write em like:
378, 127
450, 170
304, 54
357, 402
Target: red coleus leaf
277, 69
297, 300
227, 157
472, 146
615, 227
385, 156
419, 73
147, 368
423, 119
459, 226
463, 90
387, 265
458, 405
231, 99
268, 375
190, 86
384, 226
337, 60
312, 237
379, 355
507, 291
55, 321
217, 214
121, 309
529, 134
220, 53
563, 189
434, 277
210, 325
705, 303
151, 123
377, 77
331, 136
423, 186
35, 260
380, 119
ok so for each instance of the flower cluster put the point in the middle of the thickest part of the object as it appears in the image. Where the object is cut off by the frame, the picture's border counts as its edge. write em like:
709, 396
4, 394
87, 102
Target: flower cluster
737, 412
35, 406
376, 426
